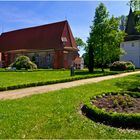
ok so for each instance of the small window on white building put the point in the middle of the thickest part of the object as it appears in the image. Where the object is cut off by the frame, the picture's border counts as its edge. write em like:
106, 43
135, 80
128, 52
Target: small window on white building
133, 45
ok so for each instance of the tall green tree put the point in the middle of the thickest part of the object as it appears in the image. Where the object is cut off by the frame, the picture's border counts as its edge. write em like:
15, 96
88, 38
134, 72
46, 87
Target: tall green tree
123, 20
138, 26
80, 42
137, 17
86, 56
101, 15
134, 4
105, 38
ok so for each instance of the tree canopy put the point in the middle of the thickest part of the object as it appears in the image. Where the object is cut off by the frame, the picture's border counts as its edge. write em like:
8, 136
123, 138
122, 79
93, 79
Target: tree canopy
123, 20
134, 4
137, 16
104, 39
80, 42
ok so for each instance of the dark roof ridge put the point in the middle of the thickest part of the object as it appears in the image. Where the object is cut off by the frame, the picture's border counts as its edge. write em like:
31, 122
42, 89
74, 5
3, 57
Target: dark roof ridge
40, 37
131, 23
53, 23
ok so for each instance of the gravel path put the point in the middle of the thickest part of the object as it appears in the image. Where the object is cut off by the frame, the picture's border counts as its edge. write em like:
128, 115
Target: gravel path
20, 93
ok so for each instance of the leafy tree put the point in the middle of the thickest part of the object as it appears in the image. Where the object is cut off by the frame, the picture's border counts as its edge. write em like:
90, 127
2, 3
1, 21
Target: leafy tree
137, 17
86, 56
80, 42
91, 58
138, 26
134, 4
101, 15
104, 39
123, 20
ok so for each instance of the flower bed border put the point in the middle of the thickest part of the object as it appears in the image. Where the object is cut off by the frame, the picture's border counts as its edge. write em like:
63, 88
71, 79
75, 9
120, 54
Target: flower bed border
123, 120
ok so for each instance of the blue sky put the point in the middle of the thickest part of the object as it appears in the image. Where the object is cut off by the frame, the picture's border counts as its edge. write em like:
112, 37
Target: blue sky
21, 14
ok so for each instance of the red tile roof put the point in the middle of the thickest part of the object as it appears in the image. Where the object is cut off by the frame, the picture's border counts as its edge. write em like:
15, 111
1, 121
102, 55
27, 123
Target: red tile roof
41, 37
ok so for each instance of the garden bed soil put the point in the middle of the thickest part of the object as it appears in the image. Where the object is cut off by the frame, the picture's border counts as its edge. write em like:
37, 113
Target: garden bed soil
106, 102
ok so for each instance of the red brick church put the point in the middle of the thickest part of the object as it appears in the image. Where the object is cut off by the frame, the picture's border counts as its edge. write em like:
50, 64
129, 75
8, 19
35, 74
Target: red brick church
50, 46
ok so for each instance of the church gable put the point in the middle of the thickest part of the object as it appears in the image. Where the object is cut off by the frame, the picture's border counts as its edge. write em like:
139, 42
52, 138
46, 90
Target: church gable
51, 45
67, 33
40, 37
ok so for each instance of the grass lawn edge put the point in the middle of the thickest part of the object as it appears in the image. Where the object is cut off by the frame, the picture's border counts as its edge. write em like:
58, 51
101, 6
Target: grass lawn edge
49, 82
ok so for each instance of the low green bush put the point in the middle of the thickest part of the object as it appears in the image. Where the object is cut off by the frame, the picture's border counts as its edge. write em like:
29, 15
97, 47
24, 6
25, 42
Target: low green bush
23, 62
41, 83
130, 66
122, 66
130, 120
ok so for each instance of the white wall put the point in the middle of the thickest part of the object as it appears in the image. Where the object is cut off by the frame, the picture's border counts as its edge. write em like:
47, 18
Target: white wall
132, 49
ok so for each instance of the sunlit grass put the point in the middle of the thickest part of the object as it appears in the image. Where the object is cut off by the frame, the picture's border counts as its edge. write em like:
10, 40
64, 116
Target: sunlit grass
15, 78
57, 114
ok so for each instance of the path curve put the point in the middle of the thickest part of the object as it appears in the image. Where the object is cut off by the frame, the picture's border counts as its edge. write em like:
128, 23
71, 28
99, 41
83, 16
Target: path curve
20, 93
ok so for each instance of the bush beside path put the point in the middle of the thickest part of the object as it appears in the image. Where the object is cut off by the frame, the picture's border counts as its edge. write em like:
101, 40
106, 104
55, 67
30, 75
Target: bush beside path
20, 93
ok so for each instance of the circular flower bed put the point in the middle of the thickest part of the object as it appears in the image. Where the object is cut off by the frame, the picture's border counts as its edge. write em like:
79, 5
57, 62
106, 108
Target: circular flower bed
115, 109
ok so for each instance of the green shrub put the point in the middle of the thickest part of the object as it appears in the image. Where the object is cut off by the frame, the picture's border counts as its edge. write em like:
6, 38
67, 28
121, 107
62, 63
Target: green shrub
33, 84
23, 62
122, 66
130, 66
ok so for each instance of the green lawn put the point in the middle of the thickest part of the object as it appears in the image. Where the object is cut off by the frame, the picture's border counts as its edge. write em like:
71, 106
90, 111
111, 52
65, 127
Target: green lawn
56, 114
27, 79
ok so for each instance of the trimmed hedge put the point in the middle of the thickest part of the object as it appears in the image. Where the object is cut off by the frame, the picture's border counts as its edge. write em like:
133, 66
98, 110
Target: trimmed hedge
122, 66
124, 120
52, 81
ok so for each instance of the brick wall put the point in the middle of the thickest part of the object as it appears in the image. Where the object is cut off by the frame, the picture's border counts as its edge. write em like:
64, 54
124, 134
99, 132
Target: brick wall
0, 59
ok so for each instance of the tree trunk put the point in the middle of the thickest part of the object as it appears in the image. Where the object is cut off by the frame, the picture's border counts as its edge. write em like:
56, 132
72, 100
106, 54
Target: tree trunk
102, 52
102, 68
91, 61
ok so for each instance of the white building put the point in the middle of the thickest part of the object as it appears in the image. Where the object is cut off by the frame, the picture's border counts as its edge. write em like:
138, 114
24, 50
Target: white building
79, 63
131, 45
132, 49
